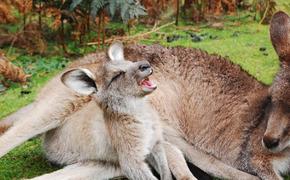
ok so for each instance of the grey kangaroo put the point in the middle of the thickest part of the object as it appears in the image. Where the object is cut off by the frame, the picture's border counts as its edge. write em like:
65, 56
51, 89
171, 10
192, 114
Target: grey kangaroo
133, 126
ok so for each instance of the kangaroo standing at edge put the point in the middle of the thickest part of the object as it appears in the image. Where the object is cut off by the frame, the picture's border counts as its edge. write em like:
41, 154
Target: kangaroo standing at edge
133, 126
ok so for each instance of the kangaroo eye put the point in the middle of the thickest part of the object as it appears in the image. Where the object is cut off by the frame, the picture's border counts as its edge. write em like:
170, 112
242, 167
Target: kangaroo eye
117, 76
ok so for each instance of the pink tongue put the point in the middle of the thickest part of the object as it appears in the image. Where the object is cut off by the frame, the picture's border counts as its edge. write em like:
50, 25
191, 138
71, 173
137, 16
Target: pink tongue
147, 83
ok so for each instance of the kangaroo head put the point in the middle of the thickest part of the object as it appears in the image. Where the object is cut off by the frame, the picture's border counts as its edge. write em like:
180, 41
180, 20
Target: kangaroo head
277, 135
117, 77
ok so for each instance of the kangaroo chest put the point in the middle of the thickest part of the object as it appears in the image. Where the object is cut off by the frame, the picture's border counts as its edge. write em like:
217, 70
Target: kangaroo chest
139, 129
150, 133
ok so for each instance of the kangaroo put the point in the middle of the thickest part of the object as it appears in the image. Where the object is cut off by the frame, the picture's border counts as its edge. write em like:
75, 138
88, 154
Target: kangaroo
113, 143
131, 123
222, 119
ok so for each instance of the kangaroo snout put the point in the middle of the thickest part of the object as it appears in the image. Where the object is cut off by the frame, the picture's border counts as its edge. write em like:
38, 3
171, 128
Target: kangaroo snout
270, 143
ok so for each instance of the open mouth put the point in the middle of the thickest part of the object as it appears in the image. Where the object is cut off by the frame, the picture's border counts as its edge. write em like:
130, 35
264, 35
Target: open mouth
147, 85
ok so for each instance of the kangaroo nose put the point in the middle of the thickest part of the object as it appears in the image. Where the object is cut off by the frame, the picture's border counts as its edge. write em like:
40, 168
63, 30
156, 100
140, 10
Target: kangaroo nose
270, 143
144, 67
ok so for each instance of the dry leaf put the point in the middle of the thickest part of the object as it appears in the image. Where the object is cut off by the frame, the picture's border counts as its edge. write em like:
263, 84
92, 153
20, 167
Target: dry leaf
11, 71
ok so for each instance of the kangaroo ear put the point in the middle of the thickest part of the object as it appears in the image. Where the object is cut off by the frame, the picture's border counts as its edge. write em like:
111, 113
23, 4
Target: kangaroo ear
116, 52
280, 35
81, 81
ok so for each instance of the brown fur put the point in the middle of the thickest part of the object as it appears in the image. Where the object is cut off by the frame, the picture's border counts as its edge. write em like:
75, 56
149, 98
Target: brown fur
3, 129
225, 91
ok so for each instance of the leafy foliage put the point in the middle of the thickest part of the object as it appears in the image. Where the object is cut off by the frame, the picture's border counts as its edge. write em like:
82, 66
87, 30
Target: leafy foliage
287, 6
97, 6
265, 9
5, 13
129, 9
12, 72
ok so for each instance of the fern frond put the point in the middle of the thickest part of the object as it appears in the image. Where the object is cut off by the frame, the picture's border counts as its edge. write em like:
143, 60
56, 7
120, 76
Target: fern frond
97, 5
74, 4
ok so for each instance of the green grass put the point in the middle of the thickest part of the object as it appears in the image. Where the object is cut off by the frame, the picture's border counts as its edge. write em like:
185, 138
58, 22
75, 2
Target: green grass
28, 159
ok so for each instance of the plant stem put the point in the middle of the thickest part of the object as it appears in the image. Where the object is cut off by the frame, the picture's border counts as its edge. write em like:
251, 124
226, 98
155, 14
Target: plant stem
177, 12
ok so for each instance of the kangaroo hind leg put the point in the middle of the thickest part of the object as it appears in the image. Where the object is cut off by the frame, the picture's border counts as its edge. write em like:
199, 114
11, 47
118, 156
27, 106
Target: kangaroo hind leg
208, 163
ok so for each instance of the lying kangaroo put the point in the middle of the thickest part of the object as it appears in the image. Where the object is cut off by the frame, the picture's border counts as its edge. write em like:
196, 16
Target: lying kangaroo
129, 133
214, 112
133, 128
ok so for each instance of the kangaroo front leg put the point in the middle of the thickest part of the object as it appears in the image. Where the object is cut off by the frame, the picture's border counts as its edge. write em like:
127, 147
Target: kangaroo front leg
207, 162
84, 171
30, 126
159, 155
8, 121
47, 114
177, 163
